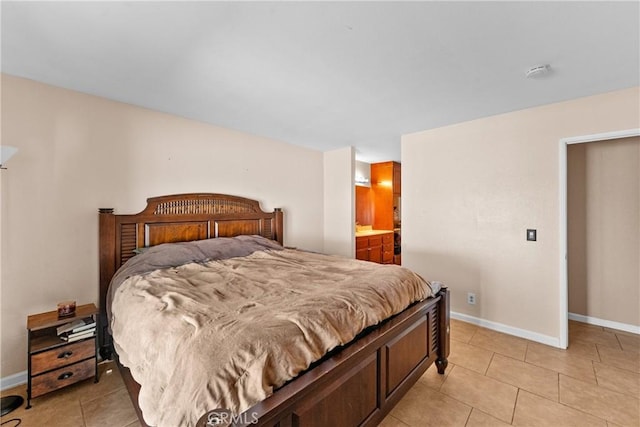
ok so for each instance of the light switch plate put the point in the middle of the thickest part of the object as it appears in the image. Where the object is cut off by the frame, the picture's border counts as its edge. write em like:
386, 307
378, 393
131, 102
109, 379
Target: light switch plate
531, 235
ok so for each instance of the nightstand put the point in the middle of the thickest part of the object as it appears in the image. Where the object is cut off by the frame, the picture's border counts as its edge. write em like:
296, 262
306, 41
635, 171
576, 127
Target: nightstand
53, 362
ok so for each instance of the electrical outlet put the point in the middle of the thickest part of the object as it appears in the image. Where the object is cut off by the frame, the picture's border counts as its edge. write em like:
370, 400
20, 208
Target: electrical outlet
471, 298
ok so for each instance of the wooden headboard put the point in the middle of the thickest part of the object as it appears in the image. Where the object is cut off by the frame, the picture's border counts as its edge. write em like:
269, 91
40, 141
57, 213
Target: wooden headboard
178, 218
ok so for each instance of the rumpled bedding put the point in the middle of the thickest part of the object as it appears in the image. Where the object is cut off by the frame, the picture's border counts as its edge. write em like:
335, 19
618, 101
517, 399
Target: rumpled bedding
222, 323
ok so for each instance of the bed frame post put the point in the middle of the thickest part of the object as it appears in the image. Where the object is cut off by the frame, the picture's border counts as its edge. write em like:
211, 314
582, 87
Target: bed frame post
107, 252
443, 330
279, 231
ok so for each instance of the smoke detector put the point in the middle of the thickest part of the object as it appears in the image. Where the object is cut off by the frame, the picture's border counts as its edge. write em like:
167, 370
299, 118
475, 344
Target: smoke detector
538, 71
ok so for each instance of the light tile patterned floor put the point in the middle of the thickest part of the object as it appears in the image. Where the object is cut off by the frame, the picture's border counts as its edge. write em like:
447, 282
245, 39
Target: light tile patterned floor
493, 379
85, 404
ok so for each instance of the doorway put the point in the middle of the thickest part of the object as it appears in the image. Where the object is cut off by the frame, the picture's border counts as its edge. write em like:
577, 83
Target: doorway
564, 275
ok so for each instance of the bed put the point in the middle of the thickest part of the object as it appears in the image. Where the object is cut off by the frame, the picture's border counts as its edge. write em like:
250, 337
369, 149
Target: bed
355, 383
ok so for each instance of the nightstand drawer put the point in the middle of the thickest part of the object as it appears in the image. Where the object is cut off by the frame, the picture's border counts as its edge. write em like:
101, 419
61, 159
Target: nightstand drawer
62, 356
62, 377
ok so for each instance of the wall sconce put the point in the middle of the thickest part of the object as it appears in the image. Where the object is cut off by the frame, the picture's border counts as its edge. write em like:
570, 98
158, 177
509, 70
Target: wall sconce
6, 152
361, 180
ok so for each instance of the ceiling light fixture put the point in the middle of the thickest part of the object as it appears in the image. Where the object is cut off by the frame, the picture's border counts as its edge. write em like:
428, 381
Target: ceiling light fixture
538, 71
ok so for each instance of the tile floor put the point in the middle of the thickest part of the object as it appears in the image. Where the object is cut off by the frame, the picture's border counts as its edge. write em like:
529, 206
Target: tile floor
493, 379
80, 405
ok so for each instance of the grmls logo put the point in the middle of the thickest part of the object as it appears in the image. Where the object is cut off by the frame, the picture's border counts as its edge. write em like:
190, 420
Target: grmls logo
224, 418
215, 419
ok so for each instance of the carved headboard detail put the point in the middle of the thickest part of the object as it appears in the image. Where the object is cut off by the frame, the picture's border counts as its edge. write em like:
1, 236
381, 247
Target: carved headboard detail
179, 218
203, 204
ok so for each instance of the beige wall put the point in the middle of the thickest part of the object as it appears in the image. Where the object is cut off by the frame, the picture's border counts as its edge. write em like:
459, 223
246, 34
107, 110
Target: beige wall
78, 153
469, 192
339, 202
603, 194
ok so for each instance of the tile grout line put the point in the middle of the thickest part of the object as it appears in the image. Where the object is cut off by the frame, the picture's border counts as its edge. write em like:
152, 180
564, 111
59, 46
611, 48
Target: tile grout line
595, 374
469, 416
84, 421
488, 365
618, 341
473, 334
558, 382
598, 352
395, 418
513, 413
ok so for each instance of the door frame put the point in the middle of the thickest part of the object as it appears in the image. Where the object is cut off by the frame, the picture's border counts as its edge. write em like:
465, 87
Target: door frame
564, 266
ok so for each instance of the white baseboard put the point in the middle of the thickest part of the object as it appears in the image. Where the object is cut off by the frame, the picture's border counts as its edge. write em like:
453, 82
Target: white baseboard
13, 380
499, 327
606, 323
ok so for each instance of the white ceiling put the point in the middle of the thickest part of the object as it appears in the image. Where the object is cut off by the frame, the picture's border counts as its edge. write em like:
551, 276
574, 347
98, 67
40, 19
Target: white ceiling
326, 75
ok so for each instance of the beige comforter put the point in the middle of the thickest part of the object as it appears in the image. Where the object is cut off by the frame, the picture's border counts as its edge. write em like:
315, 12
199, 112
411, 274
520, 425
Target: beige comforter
224, 334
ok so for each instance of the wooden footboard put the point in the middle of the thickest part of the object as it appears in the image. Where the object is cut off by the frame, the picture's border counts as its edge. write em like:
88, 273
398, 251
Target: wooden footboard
360, 384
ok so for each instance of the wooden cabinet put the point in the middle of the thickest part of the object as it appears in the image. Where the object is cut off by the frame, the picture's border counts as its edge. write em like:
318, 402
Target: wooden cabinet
53, 362
387, 248
364, 205
362, 248
386, 190
397, 179
377, 248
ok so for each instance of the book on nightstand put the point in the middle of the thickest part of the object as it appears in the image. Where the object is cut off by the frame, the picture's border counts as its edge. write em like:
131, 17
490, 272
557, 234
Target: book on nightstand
78, 335
76, 326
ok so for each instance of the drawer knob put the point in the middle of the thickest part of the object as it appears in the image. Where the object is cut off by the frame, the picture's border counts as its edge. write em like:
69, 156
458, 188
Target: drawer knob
65, 375
65, 355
